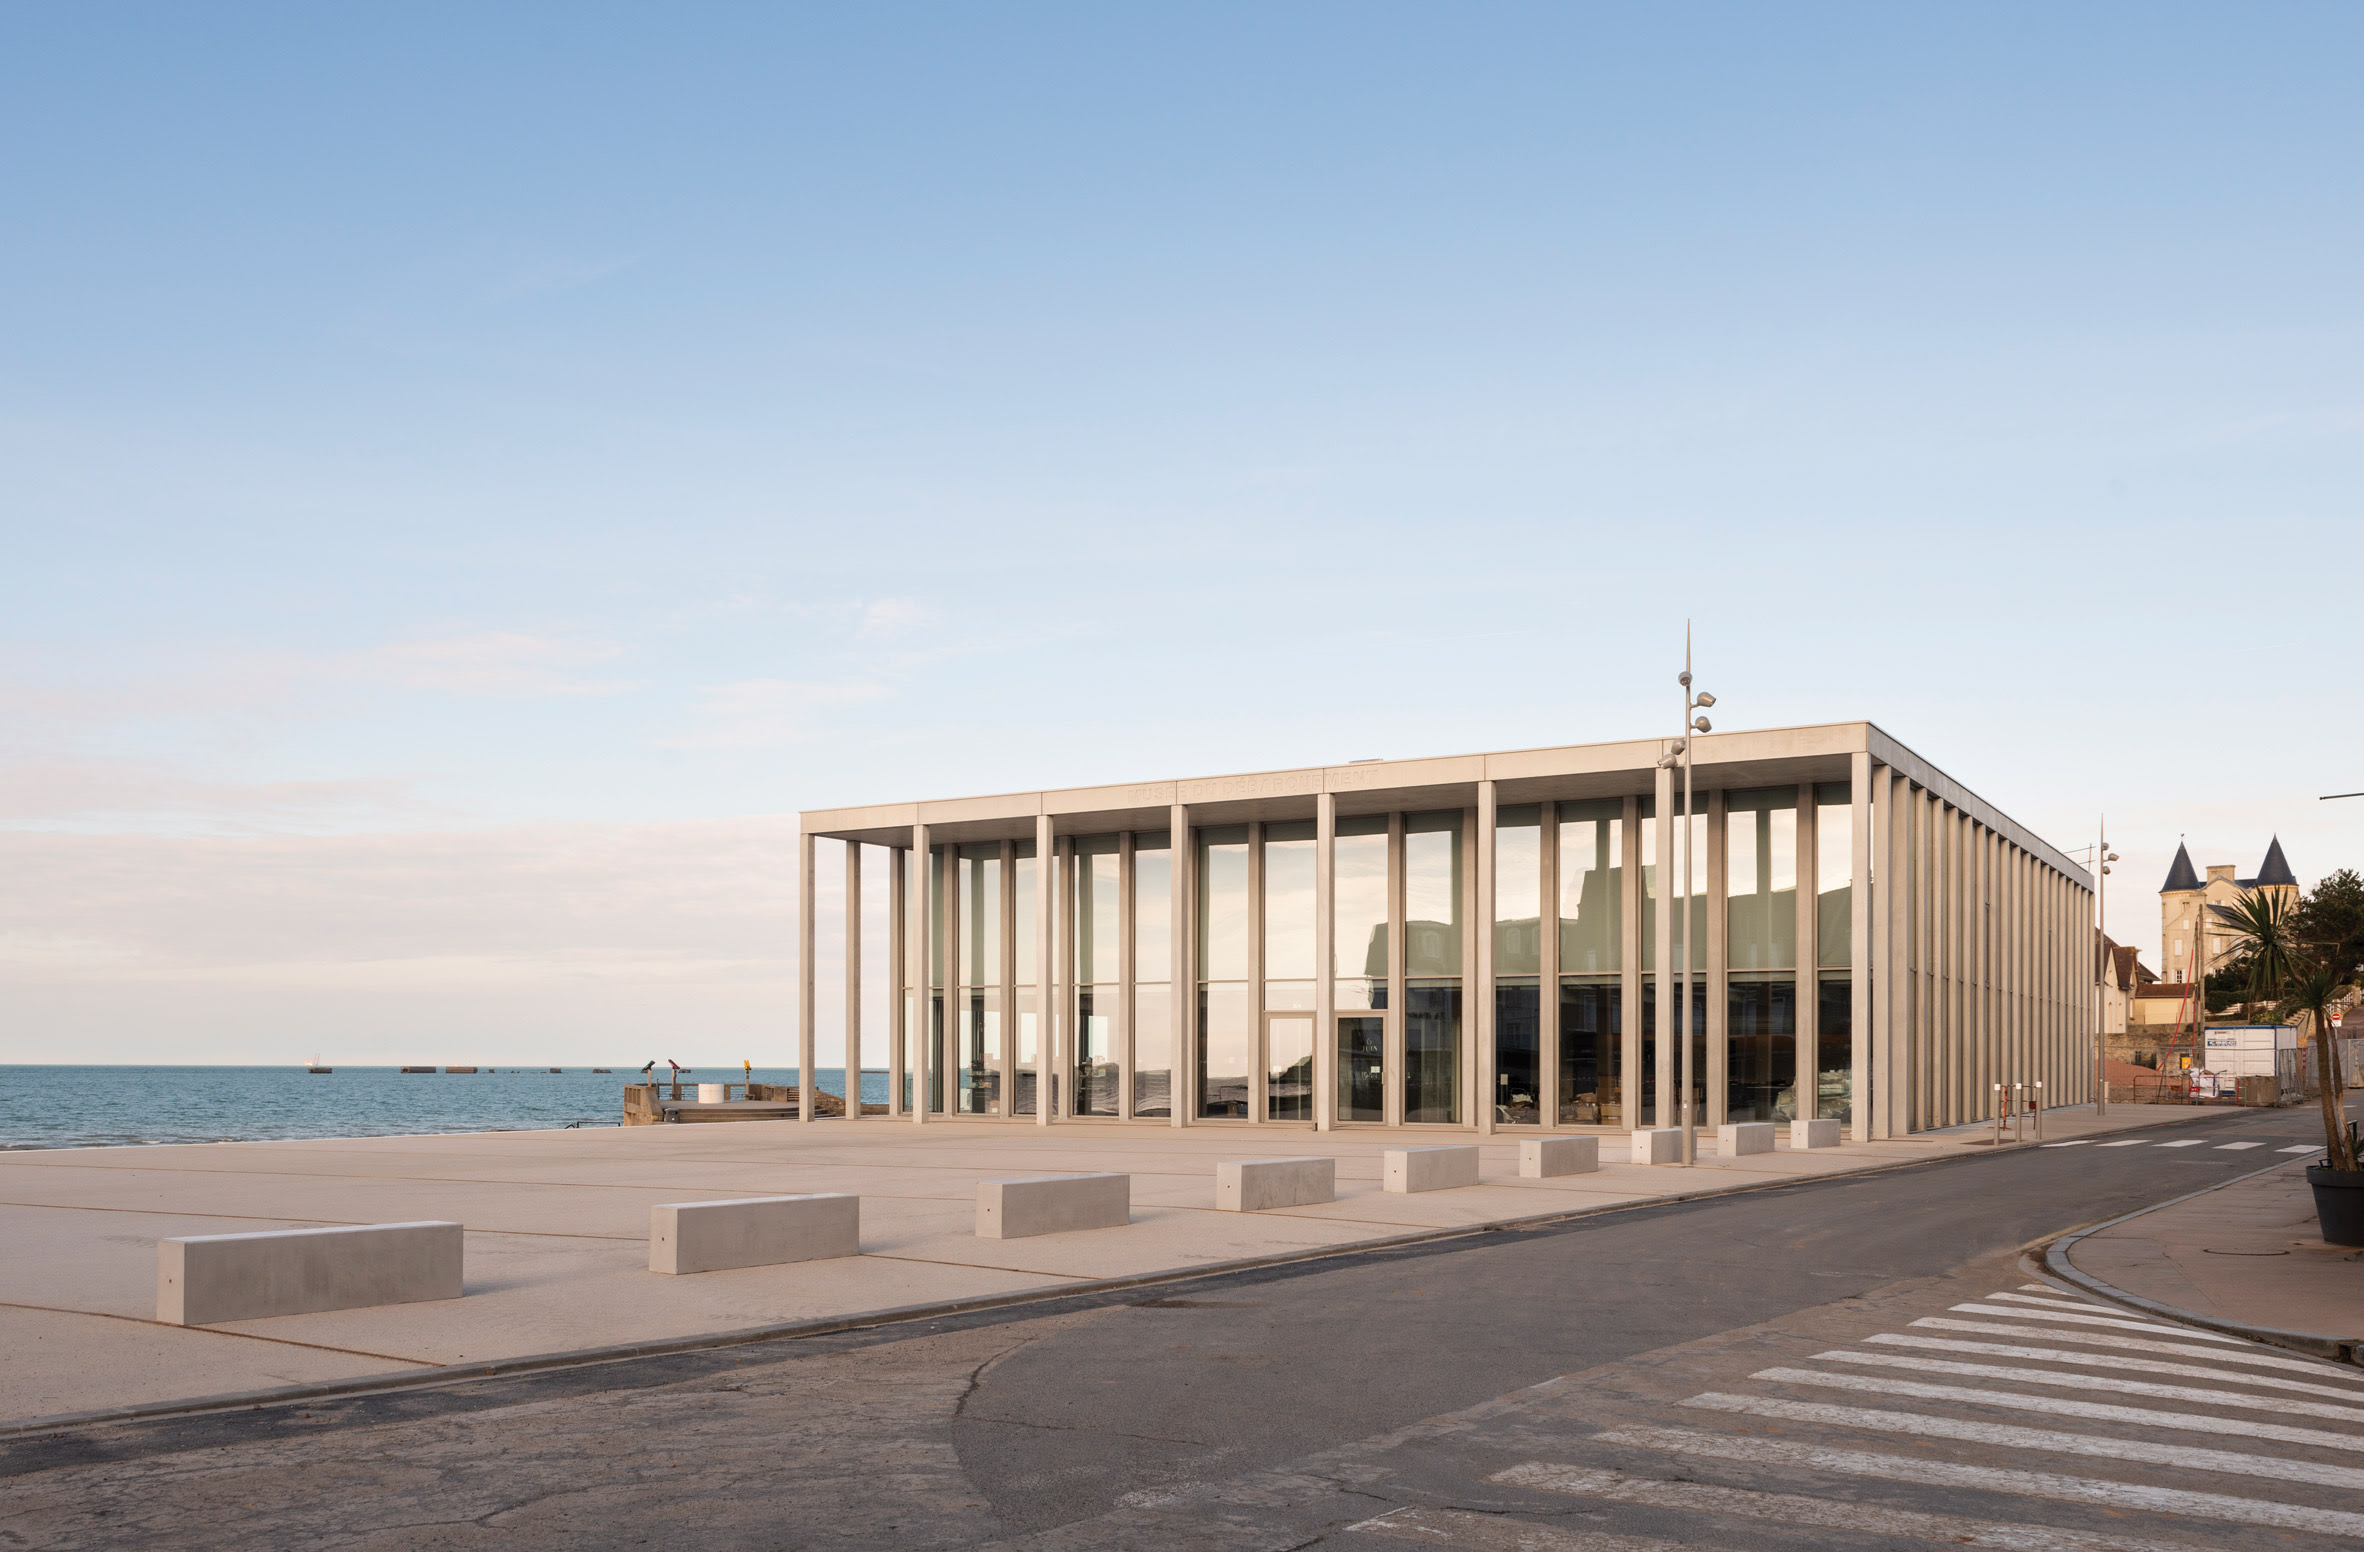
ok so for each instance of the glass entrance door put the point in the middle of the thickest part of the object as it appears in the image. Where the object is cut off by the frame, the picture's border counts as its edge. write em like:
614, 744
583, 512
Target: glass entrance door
1362, 1067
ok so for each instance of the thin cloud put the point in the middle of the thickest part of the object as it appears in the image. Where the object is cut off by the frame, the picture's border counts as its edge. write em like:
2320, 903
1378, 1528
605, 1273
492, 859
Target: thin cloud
767, 713
497, 663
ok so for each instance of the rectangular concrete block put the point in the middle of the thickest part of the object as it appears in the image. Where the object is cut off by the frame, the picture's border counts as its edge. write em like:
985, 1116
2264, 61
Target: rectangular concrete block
1253, 1185
1658, 1145
1431, 1169
210, 1278
1814, 1134
1744, 1137
1052, 1204
1543, 1157
752, 1231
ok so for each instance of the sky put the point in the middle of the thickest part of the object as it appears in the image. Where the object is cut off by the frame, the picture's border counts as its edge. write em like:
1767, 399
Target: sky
469, 475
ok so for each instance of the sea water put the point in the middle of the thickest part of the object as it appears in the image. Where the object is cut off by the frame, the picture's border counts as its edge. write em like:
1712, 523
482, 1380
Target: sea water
84, 1107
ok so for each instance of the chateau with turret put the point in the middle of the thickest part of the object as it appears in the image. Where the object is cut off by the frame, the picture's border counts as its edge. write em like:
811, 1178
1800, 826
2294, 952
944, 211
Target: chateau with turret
2188, 931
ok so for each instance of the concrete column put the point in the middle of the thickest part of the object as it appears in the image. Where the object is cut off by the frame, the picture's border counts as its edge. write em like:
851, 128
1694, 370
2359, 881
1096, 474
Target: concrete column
898, 973
1047, 1001
1392, 1105
1629, 964
1547, 979
1895, 1050
1667, 1112
919, 955
1127, 974
1809, 932
1325, 961
1259, 1065
1482, 983
1859, 970
853, 980
1718, 1034
804, 974
1184, 968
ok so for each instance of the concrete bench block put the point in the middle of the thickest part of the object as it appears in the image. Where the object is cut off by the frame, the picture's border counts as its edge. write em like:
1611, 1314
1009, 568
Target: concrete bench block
1658, 1145
1814, 1134
752, 1231
1744, 1137
1542, 1157
1253, 1185
1431, 1169
1052, 1204
210, 1278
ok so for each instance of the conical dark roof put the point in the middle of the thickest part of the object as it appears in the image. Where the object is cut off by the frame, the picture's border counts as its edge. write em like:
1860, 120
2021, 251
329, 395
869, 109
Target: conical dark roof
2180, 876
2276, 868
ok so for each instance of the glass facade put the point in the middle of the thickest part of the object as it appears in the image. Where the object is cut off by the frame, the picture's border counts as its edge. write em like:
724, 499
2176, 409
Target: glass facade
1433, 919
1362, 1067
1834, 874
1226, 1005
1834, 1031
1432, 1051
1360, 896
1518, 1050
1518, 890
1761, 880
1761, 1053
1097, 971
1153, 961
1026, 1049
1653, 876
1591, 1035
1647, 1079
977, 1055
1592, 887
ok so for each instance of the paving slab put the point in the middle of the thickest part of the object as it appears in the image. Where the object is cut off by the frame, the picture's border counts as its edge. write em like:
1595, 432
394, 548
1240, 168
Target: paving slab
557, 1226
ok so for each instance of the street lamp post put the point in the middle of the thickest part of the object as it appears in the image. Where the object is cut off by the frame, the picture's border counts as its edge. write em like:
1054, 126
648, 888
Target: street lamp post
2109, 968
1682, 1009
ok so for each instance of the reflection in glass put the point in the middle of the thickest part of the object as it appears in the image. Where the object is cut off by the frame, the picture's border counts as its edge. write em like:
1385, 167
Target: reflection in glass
1592, 890
1432, 1051
1518, 890
1653, 875
1226, 1048
979, 1071
1834, 873
980, 914
1360, 900
1288, 901
1022, 1074
1432, 894
1590, 1032
1022, 1059
1022, 910
1834, 1031
1671, 1113
1518, 1051
1287, 995
1223, 903
1362, 1072
1096, 1069
1761, 879
1288, 1079
1761, 1050
1153, 1046
1094, 911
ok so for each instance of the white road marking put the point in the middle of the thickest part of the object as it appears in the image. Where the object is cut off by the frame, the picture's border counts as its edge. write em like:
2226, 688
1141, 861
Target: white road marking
2231, 1147
2056, 1406
2304, 1147
2094, 1320
2076, 1143
2099, 1382
1499, 1533
2011, 1436
2136, 1344
2063, 1293
2011, 1481
2188, 1142
2056, 1301
2110, 1361
1797, 1509
2136, 1143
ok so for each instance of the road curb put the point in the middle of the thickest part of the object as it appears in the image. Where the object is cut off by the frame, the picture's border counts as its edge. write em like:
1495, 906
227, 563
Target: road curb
2347, 1350
497, 1368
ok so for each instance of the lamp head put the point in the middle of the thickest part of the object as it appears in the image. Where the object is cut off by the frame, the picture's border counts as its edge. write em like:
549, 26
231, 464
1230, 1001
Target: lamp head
1684, 678
1703, 699
1701, 724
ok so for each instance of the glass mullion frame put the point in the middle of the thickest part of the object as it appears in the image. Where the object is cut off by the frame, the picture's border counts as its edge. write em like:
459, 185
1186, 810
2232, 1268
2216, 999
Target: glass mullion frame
1155, 1061
1761, 1046
1284, 893
1588, 1083
1227, 1040
1022, 1026
1434, 1075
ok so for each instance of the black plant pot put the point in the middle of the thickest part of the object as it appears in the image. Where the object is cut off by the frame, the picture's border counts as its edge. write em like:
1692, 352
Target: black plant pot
2339, 1203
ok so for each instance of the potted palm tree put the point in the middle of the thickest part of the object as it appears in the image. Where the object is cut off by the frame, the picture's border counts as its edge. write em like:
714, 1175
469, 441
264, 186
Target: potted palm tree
2304, 981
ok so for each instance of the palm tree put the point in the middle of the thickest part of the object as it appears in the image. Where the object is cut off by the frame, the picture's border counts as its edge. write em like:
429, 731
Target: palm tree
2264, 929
2312, 999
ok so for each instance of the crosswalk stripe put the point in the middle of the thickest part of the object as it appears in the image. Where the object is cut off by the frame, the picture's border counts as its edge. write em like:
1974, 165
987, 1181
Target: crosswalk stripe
2093, 1320
2054, 1301
2099, 1382
2109, 1361
2135, 1142
1798, 1509
2011, 1481
1499, 1533
2012, 1436
2188, 1142
2057, 1406
2074, 1142
2061, 1293
2304, 1147
2135, 1344
2234, 1147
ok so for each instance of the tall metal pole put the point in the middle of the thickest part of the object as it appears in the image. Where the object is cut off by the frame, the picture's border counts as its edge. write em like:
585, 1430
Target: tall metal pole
1682, 1018
2109, 970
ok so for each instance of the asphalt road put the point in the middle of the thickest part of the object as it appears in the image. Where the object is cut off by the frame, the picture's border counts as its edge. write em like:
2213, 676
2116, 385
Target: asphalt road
1154, 1418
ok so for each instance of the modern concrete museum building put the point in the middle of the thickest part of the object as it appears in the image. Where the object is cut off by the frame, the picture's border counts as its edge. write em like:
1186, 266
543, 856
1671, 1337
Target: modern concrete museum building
1480, 942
